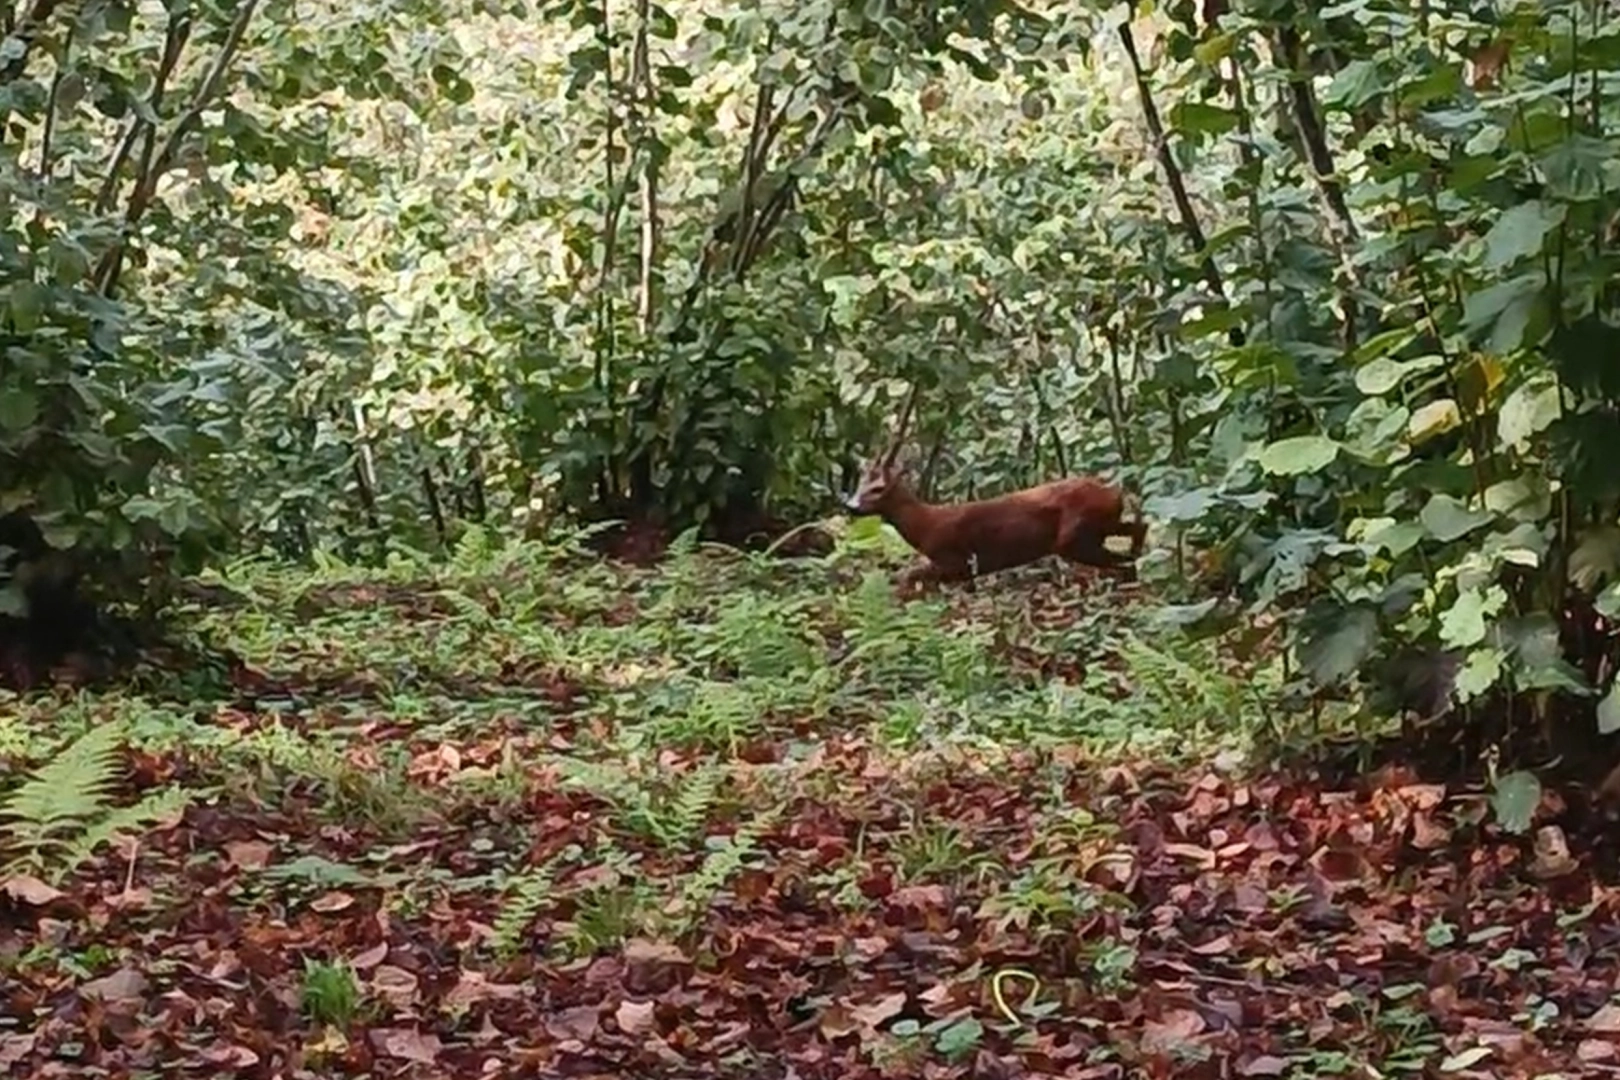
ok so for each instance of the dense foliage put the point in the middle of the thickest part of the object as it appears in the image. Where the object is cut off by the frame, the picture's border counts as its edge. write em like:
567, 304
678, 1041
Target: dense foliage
1330, 285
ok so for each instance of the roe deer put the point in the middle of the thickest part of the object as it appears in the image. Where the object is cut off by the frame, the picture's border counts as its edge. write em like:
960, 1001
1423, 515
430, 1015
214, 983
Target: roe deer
1071, 518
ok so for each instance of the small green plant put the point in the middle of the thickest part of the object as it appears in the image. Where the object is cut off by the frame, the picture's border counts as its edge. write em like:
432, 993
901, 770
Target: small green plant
605, 916
1113, 964
330, 993
940, 850
1046, 897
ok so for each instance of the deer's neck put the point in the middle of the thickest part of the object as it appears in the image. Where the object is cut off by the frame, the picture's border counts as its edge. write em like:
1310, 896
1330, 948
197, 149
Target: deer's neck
911, 517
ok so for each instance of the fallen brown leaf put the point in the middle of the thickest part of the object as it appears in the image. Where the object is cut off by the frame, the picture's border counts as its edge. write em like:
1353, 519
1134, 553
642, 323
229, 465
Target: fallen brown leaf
30, 890
635, 1017
332, 902
406, 1043
248, 854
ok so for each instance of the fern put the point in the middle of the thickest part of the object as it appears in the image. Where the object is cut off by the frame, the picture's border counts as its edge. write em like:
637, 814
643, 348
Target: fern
57, 818
525, 896
66, 790
472, 554
670, 810
161, 805
719, 866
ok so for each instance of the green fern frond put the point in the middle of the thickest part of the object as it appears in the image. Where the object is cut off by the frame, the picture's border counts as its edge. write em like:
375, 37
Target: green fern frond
159, 805
71, 787
524, 898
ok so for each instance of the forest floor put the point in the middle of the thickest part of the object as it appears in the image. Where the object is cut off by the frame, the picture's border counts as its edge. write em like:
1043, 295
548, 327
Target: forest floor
537, 815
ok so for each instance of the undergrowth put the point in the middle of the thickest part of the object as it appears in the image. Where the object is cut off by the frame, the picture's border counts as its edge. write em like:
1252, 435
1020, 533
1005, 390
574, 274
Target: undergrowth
649, 690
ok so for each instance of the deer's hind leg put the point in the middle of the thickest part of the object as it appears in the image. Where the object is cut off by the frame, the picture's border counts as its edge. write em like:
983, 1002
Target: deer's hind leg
1136, 530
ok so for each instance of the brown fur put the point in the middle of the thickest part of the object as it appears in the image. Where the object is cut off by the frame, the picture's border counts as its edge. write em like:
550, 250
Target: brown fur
1070, 518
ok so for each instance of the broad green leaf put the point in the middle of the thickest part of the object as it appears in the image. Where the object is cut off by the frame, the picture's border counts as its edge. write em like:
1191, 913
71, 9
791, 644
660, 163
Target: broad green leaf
1375, 430
1435, 418
1608, 710
1203, 119
1439, 83
1357, 83
1463, 624
1479, 673
1395, 537
1519, 499
19, 409
1505, 310
1514, 800
1299, 455
1608, 602
1537, 654
1184, 506
1380, 376
1576, 168
1183, 615
1520, 232
1339, 648
26, 303
13, 601
1212, 51
142, 508
1449, 519
1528, 411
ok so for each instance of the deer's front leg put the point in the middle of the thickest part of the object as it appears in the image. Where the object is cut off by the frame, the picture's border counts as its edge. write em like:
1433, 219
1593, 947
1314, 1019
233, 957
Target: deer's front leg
928, 575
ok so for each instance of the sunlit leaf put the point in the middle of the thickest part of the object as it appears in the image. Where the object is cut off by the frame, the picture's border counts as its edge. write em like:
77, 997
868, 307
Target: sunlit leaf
1528, 411
1479, 673
1463, 624
1435, 418
1299, 455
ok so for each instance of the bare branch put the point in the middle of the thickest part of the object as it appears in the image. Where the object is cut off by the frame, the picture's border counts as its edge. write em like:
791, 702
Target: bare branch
1167, 162
51, 103
174, 44
1309, 119
107, 269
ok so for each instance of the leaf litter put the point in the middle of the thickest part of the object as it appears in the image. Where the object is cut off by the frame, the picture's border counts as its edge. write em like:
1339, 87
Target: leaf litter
564, 896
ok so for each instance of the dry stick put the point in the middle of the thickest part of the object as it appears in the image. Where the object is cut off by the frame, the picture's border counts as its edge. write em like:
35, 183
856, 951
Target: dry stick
146, 184
1172, 173
430, 490
1251, 164
641, 78
1116, 395
1311, 132
129, 867
755, 154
